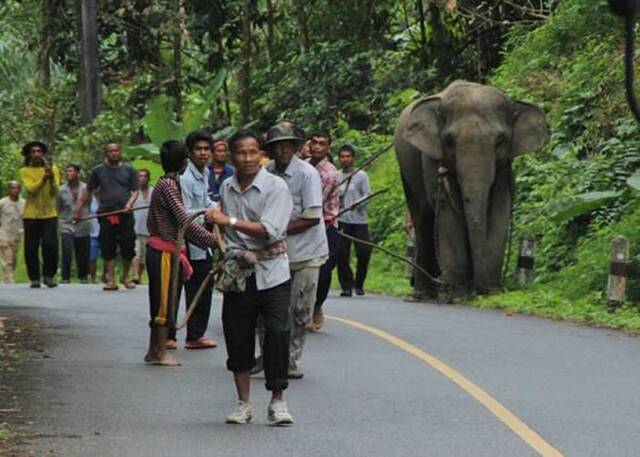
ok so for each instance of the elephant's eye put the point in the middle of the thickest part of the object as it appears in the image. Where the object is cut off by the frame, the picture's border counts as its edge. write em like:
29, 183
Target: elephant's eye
501, 141
449, 142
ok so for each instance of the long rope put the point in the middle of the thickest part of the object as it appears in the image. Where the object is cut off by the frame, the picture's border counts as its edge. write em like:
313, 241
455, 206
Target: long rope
392, 254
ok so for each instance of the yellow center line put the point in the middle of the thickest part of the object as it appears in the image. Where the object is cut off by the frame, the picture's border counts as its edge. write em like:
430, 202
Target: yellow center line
521, 429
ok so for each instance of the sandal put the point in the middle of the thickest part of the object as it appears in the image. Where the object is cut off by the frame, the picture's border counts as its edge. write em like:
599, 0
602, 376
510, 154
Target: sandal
110, 286
201, 343
171, 344
128, 284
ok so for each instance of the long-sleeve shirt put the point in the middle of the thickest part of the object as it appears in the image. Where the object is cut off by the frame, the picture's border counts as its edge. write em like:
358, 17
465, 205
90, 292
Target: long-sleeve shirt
41, 200
194, 188
167, 213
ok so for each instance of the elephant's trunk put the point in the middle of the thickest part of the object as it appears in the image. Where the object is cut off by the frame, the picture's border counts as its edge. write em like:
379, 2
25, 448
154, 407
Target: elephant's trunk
476, 194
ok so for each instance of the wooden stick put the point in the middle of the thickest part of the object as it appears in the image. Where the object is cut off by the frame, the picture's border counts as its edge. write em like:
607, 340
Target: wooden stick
362, 200
373, 245
366, 163
113, 213
196, 299
175, 263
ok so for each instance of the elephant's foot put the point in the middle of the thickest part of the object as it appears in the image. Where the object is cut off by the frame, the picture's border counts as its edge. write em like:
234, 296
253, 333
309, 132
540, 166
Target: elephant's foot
454, 293
421, 296
487, 289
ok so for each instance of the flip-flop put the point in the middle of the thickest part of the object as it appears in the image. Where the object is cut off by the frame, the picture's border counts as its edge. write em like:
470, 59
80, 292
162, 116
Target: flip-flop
110, 287
128, 284
202, 343
171, 344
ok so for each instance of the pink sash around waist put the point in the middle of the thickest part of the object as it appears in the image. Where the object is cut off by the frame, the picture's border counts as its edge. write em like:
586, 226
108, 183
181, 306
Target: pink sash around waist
168, 246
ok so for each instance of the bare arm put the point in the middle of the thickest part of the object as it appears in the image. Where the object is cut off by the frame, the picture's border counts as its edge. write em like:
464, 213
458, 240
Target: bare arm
300, 225
255, 229
132, 199
83, 198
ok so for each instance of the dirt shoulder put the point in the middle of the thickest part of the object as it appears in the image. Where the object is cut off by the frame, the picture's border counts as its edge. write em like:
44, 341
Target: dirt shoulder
21, 342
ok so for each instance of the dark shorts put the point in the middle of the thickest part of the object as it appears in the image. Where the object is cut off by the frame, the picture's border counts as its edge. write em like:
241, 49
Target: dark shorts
121, 235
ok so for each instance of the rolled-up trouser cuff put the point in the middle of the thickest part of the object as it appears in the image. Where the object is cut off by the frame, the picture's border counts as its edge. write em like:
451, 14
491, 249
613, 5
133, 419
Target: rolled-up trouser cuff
241, 366
276, 384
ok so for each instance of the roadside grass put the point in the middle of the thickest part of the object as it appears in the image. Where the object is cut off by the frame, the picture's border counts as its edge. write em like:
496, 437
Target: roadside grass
5, 433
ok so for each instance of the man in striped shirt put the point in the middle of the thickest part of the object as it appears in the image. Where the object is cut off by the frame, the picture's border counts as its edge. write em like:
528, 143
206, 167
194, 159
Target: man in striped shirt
166, 215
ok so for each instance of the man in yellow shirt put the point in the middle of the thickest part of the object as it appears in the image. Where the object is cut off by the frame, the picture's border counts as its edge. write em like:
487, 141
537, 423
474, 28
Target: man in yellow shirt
41, 181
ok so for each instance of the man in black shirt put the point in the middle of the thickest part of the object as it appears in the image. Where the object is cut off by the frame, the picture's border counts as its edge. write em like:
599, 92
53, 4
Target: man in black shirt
117, 184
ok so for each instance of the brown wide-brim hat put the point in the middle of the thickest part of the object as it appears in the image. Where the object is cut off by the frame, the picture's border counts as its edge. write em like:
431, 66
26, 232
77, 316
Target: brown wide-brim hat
26, 149
283, 131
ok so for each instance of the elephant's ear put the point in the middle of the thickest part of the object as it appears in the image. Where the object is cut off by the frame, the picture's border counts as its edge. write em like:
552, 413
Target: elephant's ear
530, 131
423, 128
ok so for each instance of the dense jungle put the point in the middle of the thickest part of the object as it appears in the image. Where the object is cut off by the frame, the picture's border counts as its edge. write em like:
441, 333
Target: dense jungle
160, 69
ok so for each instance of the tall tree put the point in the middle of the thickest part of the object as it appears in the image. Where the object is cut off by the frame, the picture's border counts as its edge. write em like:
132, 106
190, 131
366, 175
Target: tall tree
270, 28
90, 96
46, 41
301, 20
178, 27
245, 69
423, 36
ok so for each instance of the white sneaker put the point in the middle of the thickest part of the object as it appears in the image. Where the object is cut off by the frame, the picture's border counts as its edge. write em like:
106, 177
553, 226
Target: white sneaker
277, 413
242, 414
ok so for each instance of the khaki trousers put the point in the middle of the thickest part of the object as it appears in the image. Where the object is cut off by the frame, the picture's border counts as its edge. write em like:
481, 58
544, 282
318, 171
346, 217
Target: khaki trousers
8, 258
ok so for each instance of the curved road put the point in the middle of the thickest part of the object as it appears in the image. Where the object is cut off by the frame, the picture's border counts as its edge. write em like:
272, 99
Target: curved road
548, 388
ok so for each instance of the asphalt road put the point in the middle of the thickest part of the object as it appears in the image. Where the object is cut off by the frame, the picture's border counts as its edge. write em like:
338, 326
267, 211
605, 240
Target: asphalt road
576, 388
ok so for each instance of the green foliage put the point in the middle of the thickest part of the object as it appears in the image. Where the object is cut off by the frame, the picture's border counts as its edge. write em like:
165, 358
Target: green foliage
578, 194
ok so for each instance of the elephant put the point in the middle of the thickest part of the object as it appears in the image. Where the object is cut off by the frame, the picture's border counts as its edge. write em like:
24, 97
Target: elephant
455, 151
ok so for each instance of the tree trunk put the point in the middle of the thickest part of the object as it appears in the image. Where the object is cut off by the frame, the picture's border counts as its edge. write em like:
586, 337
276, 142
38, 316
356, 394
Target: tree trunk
423, 36
178, 27
301, 19
364, 28
270, 28
48, 13
89, 68
245, 69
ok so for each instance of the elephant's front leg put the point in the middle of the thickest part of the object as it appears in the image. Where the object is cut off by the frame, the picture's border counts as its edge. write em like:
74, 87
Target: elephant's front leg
453, 248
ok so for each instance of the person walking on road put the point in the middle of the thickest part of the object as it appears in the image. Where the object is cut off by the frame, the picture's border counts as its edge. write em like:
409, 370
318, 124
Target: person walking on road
306, 238
256, 207
41, 180
352, 222
11, 228
320, 146
166, 215
75, 237
140, 225
194, 187
117, 184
